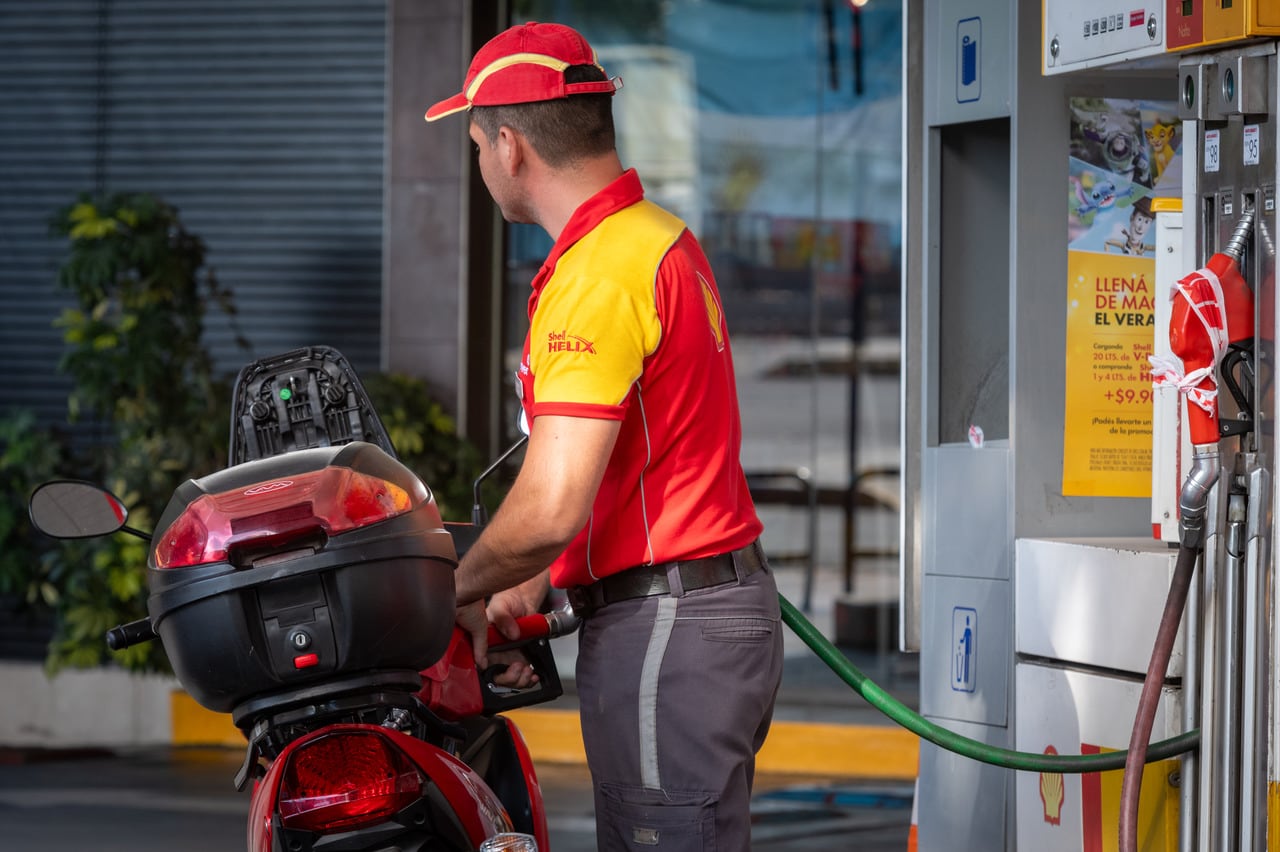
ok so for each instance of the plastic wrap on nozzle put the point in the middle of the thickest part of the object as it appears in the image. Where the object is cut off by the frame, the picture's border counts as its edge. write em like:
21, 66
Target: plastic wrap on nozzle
1194, 500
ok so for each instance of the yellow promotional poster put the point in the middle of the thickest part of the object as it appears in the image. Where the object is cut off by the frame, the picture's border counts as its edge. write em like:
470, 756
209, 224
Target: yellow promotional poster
1123, 153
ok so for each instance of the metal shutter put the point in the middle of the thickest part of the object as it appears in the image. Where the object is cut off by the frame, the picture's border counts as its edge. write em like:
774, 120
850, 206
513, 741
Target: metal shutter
261, 120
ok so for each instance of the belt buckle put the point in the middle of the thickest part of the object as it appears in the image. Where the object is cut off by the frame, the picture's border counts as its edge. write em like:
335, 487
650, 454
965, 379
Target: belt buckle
579, 600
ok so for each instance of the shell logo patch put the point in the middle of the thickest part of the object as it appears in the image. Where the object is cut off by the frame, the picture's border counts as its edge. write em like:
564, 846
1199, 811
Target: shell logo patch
563, 341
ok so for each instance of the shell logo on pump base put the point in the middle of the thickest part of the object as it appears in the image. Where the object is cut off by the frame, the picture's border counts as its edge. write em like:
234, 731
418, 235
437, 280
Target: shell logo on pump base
1052, 792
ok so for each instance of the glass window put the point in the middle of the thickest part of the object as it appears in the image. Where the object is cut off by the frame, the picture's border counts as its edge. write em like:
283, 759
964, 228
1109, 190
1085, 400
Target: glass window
773, 128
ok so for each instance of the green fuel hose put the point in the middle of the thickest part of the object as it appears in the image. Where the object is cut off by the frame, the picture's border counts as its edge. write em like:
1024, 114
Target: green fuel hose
898, 712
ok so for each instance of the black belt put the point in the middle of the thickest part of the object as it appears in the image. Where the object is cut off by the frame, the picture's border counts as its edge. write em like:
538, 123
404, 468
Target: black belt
645, 581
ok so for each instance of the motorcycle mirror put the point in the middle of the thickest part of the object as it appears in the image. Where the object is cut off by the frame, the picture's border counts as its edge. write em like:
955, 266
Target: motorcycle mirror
70, 509
522, 422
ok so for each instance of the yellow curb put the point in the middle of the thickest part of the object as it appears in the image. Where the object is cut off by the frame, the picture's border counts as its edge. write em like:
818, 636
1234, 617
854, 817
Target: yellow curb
193, 725
847, 751
554, 736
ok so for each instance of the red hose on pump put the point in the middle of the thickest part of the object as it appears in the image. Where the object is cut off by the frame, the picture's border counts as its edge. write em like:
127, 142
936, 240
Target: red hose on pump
1131, 789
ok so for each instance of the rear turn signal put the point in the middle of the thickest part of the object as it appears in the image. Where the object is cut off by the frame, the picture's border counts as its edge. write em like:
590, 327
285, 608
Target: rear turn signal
325, 502
344, 781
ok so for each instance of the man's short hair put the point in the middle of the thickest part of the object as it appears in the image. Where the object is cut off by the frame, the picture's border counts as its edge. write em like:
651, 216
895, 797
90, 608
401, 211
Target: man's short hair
563, 131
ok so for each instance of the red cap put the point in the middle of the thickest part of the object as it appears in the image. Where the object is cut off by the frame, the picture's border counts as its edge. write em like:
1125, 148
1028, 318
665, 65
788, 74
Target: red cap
524, 64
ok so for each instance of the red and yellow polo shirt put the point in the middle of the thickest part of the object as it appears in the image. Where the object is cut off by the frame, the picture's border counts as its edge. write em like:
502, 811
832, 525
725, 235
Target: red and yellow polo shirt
625, 323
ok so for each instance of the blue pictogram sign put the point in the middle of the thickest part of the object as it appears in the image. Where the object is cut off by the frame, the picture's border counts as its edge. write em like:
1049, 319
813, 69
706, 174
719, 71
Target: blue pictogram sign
964, 654
968, 60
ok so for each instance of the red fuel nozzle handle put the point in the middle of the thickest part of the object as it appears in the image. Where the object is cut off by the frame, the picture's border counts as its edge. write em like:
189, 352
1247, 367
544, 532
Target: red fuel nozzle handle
1190, 340
531, 627
559, 622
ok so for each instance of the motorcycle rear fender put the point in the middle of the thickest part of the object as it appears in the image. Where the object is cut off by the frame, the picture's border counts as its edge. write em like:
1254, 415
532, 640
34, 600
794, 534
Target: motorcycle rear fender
477, 807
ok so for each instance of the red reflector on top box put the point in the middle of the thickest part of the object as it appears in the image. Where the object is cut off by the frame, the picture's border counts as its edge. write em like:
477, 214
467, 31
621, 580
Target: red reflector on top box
329, 501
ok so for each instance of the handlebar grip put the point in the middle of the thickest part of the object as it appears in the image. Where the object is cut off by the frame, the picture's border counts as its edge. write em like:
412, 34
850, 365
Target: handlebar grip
133, 633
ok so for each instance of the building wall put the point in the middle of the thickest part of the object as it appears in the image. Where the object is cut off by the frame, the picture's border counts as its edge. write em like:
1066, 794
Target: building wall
424, 277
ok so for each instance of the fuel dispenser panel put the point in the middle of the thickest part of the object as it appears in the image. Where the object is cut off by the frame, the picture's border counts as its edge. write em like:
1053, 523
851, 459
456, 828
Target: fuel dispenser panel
1086, 33
964, 672
1123, 582
1203, 23
1227, 100
965, 803
1072, 711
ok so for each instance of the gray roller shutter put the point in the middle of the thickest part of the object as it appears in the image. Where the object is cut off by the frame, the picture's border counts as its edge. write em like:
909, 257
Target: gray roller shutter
261, 120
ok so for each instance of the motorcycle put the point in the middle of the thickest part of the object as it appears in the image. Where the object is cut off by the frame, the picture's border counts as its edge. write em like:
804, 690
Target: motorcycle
307, 590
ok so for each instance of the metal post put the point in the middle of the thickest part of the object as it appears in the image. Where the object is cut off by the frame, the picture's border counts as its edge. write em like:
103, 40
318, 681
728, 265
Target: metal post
1188, 791
1226, 753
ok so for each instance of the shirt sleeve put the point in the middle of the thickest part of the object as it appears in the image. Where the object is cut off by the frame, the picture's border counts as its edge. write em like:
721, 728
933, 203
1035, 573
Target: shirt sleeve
588, 341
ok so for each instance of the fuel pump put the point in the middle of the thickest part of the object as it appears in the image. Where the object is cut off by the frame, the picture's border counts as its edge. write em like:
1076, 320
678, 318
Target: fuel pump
1045, 541
1213, 315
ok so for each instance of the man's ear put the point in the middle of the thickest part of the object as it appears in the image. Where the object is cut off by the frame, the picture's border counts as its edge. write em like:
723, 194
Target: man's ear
511, 149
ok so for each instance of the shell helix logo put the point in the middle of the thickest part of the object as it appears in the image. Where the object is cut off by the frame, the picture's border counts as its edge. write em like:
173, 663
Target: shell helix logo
268, 487
563, 341
1052, 792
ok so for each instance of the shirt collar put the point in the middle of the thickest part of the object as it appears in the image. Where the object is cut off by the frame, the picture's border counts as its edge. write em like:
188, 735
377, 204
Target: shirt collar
622, 192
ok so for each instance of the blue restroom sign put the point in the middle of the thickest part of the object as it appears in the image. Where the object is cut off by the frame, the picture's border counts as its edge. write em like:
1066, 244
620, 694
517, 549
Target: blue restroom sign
964, 649
968, 60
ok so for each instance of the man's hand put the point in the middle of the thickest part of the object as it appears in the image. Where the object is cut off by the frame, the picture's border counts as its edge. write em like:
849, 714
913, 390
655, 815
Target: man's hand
504, 609
472, 618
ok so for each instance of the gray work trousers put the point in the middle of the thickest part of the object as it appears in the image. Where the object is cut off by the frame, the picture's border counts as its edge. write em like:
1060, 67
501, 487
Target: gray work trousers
676, 695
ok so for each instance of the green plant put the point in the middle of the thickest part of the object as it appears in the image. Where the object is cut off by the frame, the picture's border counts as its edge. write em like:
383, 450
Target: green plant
29, 455
134, 336
136, 354
426, 440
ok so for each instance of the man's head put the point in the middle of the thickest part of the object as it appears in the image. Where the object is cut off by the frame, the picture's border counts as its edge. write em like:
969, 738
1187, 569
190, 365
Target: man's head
544, 81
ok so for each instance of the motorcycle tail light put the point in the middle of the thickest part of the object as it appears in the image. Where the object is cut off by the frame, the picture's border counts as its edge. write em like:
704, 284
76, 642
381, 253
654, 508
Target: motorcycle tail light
344, 781
272, 514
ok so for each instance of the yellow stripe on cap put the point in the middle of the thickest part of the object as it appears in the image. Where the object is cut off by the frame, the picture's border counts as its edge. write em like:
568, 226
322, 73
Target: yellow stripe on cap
514, 59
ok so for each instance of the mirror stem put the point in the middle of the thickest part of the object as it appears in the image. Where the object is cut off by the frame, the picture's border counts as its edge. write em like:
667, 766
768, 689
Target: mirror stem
139, 533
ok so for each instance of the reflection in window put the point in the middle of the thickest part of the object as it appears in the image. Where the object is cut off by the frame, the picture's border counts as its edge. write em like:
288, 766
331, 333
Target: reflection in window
773, 128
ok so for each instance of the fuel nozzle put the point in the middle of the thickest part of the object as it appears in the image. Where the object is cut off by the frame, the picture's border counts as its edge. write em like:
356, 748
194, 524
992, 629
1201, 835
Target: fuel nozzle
1240, 238
1213, 308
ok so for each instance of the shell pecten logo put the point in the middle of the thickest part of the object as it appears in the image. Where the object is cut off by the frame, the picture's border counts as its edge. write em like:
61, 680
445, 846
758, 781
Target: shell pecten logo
1052, 792
714, 317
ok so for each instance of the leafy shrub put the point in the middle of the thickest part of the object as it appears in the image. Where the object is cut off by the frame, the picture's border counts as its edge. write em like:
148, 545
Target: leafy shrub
426, 440
135, 352
136, 356
28, 456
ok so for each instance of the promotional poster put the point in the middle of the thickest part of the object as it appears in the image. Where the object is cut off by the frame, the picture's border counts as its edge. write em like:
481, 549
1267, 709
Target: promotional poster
1123, 154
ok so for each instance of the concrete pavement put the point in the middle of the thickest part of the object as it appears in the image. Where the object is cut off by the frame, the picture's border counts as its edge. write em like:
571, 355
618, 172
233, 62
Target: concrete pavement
163, 799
